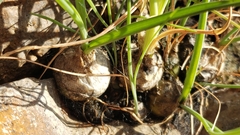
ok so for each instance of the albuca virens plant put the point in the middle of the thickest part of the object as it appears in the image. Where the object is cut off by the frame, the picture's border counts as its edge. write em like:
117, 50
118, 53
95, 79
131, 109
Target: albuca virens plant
160, 14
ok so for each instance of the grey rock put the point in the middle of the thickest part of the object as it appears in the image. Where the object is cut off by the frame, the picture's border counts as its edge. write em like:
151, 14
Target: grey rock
19, 28
30, 106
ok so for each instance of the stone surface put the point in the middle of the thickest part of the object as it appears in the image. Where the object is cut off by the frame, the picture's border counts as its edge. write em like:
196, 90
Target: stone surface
33, 107
19, 28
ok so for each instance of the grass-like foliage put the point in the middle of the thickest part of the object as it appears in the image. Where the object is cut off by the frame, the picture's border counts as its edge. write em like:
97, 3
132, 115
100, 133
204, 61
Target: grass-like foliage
161, 14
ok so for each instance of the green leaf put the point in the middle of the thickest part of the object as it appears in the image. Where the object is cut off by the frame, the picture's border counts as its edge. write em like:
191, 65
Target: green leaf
197, 51
155, 21
72, 11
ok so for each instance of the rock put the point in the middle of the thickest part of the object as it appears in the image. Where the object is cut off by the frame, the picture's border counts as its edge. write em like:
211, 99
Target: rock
229, 114
19, 28
33, 107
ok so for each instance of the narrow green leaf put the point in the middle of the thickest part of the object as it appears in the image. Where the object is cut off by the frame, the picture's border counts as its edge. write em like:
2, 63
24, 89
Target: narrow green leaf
233, 86
193, 67
54, 21
72, 11
155, 21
